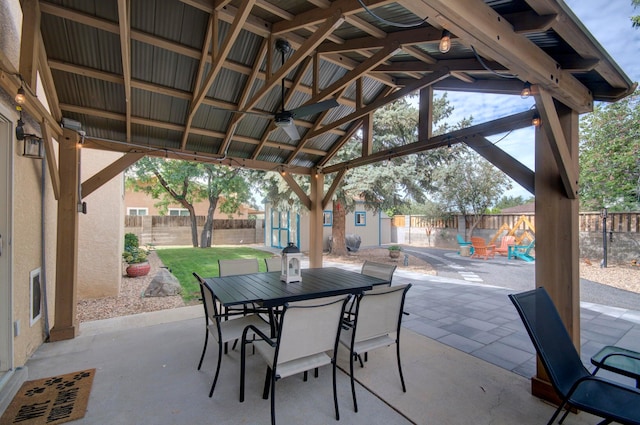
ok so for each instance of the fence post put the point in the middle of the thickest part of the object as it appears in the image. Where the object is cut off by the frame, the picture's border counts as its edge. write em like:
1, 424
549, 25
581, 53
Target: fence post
604, 237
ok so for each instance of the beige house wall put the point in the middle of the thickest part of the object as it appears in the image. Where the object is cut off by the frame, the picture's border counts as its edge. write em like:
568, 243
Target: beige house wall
375, 232
26, 248
100, 231
133, 199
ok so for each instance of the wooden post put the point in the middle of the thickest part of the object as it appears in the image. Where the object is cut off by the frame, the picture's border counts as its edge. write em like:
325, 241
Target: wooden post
557, 232
65, 324
315, 219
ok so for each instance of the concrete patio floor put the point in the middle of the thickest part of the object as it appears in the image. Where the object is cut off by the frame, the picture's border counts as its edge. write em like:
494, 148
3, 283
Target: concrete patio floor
146, 374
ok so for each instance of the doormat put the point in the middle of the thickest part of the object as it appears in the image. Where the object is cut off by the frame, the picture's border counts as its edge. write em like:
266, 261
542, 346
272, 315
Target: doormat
50, 401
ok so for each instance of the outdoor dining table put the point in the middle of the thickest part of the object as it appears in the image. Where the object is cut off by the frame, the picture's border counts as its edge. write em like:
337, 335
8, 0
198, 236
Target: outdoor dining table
268, 291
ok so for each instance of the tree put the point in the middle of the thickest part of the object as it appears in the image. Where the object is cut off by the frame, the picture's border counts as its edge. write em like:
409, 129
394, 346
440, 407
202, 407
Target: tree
393, 184
635, 20
470, 185
610, 156
186, 183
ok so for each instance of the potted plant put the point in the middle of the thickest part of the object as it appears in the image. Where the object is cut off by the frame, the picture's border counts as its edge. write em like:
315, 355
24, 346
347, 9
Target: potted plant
394, 251
135, 257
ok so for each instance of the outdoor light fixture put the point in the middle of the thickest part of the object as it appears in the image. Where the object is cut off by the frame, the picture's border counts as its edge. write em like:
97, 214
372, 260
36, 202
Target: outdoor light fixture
536, 121
526, 90
32, 147
20, 129
21, 96
445, 41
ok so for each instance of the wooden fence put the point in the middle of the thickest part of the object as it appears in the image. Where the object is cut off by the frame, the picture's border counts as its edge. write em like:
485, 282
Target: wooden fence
627, 222
185, 221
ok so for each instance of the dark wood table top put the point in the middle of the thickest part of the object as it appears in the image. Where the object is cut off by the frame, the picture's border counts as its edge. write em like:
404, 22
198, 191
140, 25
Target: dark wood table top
268, 290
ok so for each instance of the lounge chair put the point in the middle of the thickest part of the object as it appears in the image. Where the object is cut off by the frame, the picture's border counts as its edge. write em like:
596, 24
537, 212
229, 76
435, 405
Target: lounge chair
523, 251
570, 379
462, 242
481, 249
503, 249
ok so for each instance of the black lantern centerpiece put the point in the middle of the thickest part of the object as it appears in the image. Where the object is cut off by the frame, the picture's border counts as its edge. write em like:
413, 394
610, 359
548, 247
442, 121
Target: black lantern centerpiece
290, 264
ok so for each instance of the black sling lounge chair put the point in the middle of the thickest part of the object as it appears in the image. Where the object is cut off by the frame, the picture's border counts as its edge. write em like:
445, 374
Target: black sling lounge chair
571, 380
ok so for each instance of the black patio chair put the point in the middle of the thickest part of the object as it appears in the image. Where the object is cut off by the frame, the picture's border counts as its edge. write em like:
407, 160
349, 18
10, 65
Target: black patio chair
569, 377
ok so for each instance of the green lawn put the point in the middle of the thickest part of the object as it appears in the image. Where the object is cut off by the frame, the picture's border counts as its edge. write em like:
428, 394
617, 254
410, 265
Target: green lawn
184, 261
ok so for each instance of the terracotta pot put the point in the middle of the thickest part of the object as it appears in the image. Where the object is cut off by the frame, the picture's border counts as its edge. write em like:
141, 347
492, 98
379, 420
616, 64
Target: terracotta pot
138, 269
394, 253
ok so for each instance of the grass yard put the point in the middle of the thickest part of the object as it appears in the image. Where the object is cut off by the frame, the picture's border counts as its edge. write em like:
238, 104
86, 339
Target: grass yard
183, 261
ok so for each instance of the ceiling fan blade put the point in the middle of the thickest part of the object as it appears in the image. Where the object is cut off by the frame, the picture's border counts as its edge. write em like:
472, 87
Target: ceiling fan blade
291, 131
314, 108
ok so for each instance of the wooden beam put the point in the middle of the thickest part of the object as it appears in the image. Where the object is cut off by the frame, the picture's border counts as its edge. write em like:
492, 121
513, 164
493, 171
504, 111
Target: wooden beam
109, 172
334, 21
50, 156
551, 125
477, 24
530, 22
505, 162
47, 82
304, 198
30, 43
65, 322
455, 65
125, 53
33, 106
403, 38
315, 218
416, 85
500, 125
223, 52
334, 185
425, 114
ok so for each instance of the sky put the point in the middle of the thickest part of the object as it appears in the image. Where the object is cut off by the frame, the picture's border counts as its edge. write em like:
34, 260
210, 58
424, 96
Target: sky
609, 23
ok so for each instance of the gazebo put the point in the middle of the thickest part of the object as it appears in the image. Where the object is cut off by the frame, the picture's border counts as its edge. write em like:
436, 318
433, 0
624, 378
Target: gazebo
282, 85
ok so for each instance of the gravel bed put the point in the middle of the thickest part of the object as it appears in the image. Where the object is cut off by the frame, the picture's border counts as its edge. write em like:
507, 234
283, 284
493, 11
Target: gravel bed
131, 300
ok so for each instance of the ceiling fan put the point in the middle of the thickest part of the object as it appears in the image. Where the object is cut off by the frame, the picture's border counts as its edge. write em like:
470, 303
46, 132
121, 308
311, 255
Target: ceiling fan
284, 119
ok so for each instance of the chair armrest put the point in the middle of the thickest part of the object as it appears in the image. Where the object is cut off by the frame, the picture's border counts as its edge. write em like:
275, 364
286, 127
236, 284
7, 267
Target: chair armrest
258, 332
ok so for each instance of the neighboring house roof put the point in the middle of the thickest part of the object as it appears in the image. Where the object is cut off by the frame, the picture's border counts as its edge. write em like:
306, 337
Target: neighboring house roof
520, 209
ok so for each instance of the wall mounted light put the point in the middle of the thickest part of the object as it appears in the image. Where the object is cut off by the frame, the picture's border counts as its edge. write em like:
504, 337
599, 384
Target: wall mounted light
32, 147
445, 41
536, 121
20, 129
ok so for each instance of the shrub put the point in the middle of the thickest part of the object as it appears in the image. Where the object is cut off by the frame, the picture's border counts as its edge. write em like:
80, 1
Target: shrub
130, 241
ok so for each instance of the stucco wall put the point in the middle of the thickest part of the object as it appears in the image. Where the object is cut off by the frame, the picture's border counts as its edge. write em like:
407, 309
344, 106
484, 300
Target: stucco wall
100, 231
27, 251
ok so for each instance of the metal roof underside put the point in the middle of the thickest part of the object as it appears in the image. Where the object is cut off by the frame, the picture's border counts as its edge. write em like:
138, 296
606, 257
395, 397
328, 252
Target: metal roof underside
176, 96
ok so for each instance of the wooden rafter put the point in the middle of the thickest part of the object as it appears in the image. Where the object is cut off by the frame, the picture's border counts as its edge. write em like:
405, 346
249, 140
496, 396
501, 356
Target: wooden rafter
110, 171
222, 54
52, 164
125, 53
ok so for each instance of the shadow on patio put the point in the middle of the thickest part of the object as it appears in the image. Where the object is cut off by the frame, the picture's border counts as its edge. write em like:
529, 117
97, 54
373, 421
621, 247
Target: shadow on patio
146, 374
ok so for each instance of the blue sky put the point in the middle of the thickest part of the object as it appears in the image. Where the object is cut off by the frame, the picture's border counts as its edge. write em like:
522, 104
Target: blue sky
609, 22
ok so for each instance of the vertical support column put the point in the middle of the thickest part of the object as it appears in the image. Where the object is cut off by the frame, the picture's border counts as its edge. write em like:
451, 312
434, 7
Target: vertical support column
65, 325
425, 114
557, 236
315, 219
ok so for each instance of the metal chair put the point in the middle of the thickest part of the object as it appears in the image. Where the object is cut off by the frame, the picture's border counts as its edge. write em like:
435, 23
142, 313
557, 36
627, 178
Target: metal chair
307, 332
569, 377
377, 324
380, 270
274, 264
223, 331
238, 266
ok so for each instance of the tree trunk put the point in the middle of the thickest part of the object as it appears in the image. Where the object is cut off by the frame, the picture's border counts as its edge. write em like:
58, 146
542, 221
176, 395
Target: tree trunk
339, 246
206, 237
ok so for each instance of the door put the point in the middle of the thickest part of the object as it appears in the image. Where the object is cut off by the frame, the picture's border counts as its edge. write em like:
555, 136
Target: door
6, 340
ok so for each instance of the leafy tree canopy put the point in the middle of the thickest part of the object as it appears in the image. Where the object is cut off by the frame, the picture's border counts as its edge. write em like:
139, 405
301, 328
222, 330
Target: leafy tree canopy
510, 201
470, 185
610, 156
635, 20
